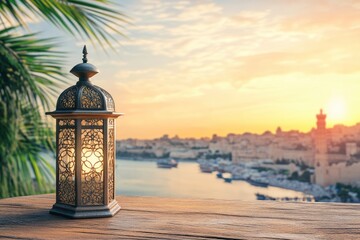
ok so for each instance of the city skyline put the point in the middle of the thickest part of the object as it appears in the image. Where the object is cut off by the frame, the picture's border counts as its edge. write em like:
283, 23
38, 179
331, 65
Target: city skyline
272, 131
197, 68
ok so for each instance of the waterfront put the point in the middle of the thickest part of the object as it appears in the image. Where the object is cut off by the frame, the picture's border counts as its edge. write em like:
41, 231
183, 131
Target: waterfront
143, 178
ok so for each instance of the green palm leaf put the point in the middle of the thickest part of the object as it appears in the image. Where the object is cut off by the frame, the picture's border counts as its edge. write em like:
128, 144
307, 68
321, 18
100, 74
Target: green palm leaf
81, 18
30, 75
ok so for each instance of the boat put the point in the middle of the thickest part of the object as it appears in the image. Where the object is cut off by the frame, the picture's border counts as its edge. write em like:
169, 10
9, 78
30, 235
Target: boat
237, 177
206, 167
174, 163
239, 174
227, 177
228, 180
257, 183
219, 175
223, 165
260, 196
167, 163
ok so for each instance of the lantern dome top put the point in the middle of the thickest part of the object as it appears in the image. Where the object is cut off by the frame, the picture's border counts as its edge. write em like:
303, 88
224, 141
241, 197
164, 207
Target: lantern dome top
84, 95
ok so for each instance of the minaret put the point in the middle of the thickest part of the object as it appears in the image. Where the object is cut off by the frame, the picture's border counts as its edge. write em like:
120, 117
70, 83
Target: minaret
321, 159
321, 121
320, 135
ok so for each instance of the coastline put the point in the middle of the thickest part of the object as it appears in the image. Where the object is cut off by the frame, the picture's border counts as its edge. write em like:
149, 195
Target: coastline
309, 190
140, 159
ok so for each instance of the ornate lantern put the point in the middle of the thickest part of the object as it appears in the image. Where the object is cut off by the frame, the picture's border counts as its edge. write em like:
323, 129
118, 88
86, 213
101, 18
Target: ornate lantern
85, 141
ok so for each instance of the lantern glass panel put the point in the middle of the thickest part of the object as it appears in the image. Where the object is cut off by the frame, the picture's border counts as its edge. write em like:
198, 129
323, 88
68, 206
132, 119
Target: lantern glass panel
66, 161
92, 162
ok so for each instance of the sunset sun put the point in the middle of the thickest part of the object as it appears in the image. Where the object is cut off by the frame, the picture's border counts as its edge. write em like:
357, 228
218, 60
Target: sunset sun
336, 109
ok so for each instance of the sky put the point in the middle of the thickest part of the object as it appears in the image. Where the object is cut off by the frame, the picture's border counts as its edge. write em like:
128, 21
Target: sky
197, 68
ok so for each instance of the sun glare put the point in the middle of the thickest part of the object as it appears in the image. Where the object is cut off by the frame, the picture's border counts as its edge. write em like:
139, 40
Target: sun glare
336, 110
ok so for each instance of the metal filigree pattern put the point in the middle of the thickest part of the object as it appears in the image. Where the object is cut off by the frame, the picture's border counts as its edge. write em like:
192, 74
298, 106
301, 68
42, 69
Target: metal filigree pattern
66, 166
67, 99
92, 169
91, 99
111, 165
111, 122
92, 122
109, 100
66, 122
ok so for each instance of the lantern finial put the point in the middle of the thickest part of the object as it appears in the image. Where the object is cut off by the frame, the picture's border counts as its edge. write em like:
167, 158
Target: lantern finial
84, 54
84, 70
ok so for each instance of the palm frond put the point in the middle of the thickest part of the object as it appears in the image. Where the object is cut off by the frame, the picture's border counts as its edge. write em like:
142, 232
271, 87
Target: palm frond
81, 18
23, 169
30, 71
30, 67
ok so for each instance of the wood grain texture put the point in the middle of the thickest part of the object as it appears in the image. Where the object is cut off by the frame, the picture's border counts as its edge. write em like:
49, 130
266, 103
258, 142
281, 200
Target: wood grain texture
171, 218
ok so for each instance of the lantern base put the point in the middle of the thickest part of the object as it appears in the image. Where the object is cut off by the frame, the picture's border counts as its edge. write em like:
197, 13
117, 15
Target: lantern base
86, 211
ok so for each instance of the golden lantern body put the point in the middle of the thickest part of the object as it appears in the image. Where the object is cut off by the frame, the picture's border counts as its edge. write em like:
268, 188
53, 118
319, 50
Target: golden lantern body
85, 156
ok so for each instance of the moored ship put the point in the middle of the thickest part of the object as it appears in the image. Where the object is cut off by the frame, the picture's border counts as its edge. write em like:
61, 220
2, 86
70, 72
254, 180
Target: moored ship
167, 163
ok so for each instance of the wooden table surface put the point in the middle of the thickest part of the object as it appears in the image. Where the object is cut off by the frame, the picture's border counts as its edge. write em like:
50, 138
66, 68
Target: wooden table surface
172, 218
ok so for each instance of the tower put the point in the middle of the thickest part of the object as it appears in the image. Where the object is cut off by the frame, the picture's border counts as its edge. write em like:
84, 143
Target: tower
321, 160
320, 133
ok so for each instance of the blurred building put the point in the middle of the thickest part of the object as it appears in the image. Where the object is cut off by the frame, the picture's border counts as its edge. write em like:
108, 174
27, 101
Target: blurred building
337, 158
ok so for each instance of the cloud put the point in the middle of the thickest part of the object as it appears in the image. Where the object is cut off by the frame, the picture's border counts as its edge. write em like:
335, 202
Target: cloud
204, 37
329, 16
205, 53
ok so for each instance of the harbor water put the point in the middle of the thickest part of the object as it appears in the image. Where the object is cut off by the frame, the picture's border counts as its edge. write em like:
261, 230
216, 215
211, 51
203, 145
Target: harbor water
144, 178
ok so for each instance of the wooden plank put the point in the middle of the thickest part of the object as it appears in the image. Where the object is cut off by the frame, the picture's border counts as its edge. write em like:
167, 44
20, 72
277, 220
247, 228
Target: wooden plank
168, 218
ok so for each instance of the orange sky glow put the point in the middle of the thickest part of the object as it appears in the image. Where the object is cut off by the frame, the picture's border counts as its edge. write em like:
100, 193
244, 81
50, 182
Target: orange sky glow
195, 68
